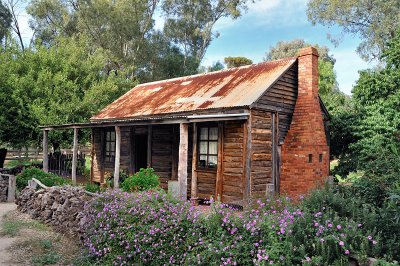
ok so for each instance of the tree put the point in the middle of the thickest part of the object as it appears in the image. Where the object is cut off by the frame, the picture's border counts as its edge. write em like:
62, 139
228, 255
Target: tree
375, 21
237, 61
377, 129
215, 67
13, 6
5, 20
190, 24
65, 83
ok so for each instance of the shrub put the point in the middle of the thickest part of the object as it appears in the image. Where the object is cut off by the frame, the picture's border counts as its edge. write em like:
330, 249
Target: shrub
143, 180
143, 228
153, 229
47, 179
376, 211
92, 187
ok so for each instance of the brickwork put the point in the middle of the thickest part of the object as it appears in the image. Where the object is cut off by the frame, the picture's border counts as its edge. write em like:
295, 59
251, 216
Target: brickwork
305, 153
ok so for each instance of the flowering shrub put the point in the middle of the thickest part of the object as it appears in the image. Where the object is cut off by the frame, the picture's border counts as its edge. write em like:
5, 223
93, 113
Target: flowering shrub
153, 229
145, 228
143, 180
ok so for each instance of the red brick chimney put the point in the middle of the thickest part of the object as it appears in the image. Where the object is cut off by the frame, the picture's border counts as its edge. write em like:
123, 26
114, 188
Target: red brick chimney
305, 152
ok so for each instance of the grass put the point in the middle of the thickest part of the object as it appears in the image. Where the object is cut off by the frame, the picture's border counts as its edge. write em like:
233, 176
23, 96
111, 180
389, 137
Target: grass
24, 162
37, 244
13, 228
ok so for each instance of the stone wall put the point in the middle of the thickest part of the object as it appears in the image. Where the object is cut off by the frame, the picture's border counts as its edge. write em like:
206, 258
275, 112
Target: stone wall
3, 188
60, 207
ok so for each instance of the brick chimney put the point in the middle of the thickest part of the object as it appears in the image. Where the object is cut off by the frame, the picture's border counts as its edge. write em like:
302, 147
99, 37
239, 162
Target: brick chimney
305, 152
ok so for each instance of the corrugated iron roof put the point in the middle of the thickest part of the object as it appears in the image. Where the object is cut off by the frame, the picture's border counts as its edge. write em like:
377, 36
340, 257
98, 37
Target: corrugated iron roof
233, 87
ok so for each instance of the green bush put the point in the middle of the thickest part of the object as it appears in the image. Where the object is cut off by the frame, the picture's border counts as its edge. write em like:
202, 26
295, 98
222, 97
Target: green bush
371, 202
143, 180
92, 187
47, 179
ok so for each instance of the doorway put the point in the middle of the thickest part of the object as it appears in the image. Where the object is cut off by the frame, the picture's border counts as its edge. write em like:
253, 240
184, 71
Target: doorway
140, 151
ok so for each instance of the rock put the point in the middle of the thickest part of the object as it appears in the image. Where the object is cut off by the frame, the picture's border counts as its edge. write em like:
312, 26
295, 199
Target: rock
60, 207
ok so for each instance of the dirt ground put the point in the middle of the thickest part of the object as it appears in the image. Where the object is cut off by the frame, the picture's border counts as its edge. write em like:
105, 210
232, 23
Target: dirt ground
24, 241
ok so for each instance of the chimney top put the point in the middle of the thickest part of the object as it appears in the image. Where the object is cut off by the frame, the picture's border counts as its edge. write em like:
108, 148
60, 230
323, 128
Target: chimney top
308, 51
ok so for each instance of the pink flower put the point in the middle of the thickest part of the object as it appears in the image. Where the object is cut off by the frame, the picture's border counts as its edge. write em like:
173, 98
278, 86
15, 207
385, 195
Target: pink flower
374, 242
369, 237
338, 227
347, 252
341, 243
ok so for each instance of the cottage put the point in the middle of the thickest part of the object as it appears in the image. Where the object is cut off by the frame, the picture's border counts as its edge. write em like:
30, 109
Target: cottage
233, 134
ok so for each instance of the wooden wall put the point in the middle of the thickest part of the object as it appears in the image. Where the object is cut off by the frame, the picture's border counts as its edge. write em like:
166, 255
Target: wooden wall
281, 97
233, 162
261, 152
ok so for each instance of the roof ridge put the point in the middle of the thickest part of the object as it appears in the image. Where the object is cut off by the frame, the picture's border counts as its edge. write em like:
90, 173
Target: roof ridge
216, 72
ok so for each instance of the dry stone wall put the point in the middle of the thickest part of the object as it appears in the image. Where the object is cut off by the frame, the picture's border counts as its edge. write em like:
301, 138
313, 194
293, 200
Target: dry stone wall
60, 207
3, 188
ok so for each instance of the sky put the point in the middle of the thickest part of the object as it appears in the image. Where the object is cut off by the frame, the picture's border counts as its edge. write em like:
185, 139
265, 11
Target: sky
264, 24
269, 21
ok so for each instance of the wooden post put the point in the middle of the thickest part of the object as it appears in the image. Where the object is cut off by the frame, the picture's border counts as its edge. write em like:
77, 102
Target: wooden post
46, 151
183, 159
247, 161
149, 147
117, 155
194, 167
74, 156
12, 183
274, 146
218, 188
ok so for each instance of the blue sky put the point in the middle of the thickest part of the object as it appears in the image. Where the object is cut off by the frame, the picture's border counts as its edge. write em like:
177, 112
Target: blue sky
269, 21
264, 24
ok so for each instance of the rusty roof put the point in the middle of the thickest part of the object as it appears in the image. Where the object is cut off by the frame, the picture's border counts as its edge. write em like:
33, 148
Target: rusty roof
234, 87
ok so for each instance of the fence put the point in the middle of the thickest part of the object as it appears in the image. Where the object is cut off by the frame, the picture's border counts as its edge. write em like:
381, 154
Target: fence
61, 164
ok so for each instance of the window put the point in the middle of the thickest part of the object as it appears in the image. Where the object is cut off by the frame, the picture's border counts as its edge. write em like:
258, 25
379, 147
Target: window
110, 146
208, 147
310, 158
320, 158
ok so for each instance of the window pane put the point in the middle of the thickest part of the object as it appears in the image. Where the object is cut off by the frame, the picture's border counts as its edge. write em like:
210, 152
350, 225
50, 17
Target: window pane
204, 133
113, 136
202, 160
112, 146
212, 161
108, 136
203, 147
213, 133
108, 146
213, 147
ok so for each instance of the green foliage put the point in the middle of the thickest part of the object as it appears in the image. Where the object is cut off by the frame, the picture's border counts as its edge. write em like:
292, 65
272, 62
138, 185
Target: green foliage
374, 128
65, 83
373, 201
49, 258
374, 21
47, 179
215, 67
237, 61
190, 23
155, 229
144, 180
5, 20
92, 187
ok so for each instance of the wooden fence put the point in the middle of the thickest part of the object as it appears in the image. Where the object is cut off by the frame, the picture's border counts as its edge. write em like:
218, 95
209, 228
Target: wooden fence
61, 164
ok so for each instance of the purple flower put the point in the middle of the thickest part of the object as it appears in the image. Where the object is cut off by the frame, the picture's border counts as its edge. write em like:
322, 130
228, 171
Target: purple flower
369, 237
347, 252
339, 227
